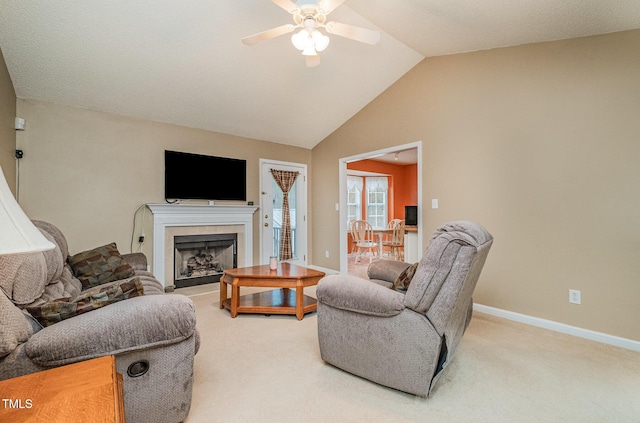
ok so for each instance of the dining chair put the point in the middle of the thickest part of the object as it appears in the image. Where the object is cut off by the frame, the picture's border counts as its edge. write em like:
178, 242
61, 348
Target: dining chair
396, 243
388, 236
365, 240
351, 239
392, 223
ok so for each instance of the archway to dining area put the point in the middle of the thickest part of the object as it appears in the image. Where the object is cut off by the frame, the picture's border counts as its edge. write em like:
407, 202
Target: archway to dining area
379, 187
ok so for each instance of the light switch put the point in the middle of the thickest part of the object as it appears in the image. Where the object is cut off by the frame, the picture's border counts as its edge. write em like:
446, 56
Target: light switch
434, 203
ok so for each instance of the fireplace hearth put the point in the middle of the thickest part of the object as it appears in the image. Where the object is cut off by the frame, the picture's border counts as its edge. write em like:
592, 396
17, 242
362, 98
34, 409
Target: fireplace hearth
202, 259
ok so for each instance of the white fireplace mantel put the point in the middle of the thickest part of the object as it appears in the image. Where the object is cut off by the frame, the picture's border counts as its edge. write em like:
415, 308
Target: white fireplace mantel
176, 215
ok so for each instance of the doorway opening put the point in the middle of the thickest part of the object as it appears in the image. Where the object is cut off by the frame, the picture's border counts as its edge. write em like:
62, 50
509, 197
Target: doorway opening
384, 205
274, 216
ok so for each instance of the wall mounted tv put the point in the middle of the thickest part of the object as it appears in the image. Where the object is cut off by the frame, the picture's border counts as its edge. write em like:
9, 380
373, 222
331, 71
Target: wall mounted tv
198, 177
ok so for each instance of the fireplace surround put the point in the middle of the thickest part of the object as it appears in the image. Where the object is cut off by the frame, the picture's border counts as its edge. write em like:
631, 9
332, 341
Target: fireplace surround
176, 220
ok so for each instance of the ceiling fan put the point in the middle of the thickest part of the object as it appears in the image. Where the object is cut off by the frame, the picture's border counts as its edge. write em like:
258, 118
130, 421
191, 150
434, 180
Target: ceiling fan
311, 16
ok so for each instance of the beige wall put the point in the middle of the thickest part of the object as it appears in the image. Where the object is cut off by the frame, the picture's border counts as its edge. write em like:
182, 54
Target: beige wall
7, 120
539, 143
87, 172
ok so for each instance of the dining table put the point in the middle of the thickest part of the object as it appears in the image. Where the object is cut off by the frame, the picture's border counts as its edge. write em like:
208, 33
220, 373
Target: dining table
379, 235
381, 232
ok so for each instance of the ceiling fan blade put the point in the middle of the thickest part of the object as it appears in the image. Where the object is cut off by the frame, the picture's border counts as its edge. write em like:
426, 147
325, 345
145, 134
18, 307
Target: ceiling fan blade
312, 61
287, 5
353, 32
329, 6
268, 34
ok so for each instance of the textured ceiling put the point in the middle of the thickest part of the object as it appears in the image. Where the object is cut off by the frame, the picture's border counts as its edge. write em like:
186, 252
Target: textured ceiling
183, 62
440, 27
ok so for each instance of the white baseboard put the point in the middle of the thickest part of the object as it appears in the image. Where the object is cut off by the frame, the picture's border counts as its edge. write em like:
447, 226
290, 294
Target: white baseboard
559, 327
323, 269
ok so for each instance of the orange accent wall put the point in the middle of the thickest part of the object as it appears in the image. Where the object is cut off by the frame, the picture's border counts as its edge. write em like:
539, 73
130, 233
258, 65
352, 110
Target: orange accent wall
403, 183
408, 195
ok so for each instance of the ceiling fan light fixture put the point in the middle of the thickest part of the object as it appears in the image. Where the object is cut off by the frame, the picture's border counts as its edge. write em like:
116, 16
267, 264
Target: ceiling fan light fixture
320, 40
309, 51
310, 16
300, 39
310, 42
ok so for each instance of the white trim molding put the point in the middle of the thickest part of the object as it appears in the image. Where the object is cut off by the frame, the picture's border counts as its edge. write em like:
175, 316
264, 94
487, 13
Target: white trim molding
559, 327
324, 269
342, 190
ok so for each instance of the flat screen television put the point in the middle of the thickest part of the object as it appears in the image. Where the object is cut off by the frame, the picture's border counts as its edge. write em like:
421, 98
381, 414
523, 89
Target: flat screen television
190, 176
411, 215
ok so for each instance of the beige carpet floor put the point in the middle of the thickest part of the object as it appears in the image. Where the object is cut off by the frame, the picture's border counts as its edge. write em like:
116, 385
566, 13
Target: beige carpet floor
268, 369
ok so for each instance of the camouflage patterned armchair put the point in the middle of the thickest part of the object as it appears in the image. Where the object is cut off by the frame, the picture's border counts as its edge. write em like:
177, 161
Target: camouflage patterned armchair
49, 318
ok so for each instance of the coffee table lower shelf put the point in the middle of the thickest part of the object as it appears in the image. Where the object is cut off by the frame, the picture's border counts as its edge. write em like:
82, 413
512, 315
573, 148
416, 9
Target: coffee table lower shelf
275, 301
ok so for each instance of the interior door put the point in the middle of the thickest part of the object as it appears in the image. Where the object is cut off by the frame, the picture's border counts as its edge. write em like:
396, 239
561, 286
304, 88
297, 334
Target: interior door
271, 212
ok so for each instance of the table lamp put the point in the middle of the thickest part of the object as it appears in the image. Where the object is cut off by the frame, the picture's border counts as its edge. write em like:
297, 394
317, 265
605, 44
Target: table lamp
17, 233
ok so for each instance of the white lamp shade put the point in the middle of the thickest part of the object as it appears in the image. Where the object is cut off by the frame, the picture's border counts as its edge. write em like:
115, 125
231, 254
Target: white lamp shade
320, 40
17, 233
300, 39
309, 50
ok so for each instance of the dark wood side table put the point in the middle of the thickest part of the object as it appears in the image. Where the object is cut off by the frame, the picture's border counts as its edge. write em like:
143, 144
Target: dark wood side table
88, 391
278, 301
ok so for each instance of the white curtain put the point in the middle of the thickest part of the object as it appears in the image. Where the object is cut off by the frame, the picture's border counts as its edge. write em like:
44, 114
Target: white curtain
354, 183
377, 184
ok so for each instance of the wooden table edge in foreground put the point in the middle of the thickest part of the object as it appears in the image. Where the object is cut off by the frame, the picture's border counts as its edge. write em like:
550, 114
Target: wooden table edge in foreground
277, 301
90, 390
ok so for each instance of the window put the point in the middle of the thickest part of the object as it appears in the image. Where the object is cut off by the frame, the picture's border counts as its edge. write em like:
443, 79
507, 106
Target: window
377, 188
367, 198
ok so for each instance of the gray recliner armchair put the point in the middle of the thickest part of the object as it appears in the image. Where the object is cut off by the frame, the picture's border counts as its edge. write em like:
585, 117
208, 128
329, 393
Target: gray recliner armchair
152, 335
397, 339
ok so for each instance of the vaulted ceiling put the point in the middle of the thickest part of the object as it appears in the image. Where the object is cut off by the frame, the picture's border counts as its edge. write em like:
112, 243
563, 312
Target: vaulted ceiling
183, 62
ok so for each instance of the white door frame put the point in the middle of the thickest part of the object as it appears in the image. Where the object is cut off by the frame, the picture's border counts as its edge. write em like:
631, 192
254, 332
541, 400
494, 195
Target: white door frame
342, 164
304, 246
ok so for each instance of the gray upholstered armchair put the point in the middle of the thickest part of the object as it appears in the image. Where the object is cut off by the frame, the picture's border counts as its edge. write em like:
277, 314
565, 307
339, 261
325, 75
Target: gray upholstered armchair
152, 335
404, 340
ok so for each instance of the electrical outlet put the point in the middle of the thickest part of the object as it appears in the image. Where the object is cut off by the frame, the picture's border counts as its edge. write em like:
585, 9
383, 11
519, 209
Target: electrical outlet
326, 253
574, 296
141, 239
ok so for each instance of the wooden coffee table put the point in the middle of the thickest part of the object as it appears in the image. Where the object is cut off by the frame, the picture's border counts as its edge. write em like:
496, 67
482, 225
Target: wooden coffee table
276, 301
